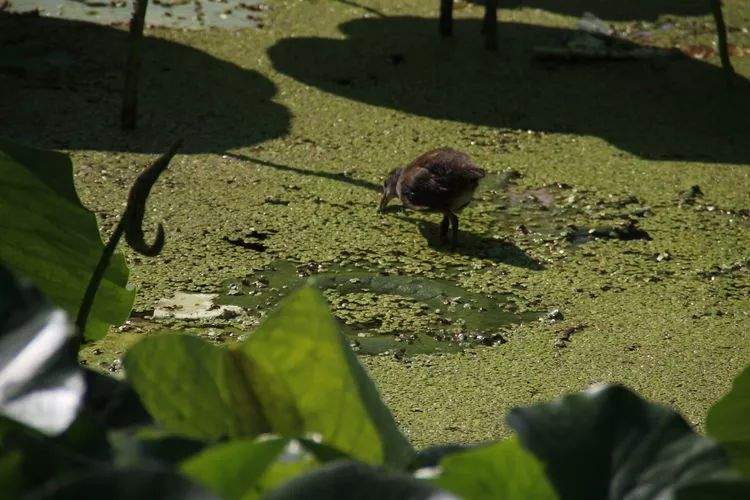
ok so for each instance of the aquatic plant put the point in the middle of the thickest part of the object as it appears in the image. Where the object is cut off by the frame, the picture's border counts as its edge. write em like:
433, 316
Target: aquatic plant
290, 413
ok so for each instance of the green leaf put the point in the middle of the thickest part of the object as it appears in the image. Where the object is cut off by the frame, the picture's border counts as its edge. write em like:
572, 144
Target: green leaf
247, 468
233, 468
309, 380
296, 375
148, 446
113, 403
346, 480
52, 239
41, 384
728, 422
433, 455
607, 442
35, 458
280, 472
194, 388
123, 484
500, 470
11, 474
726, 488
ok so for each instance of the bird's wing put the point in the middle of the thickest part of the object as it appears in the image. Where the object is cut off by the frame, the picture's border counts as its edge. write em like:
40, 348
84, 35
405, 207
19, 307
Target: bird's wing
424, 189
452, 167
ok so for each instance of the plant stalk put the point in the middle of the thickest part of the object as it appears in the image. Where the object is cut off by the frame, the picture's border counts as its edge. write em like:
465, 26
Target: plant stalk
489, 25
446, 17
133, 66
97, 276
721, 34
130, 224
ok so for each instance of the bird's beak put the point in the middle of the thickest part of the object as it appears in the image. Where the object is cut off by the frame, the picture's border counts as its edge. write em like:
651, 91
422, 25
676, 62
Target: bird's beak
383, 203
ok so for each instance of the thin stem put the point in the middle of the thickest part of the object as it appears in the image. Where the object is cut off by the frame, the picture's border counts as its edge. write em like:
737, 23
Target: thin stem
489, 25
446, 17
98, 275
721, 34
133, 66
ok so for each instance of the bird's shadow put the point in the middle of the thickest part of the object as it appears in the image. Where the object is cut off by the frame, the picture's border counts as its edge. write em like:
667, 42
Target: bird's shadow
474, 245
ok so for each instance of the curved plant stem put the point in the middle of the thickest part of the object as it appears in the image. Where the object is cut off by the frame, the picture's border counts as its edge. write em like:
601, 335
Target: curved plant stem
130, 225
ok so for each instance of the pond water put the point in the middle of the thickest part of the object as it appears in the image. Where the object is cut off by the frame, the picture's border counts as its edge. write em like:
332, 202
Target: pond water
186, 14
363, 301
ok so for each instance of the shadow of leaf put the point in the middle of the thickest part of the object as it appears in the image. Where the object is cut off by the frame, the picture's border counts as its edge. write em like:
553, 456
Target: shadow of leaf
68, 75
660, 109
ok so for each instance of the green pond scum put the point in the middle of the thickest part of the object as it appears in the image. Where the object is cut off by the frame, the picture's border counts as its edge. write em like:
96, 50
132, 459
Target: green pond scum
581, 259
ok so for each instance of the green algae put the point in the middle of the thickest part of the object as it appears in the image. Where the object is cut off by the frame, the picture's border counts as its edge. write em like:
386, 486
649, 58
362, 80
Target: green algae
676, 329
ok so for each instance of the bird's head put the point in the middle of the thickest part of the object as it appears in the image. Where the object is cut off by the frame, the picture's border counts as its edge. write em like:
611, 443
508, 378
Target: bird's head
389, 187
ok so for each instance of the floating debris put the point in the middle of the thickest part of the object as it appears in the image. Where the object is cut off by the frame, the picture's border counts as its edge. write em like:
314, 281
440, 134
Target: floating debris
564, 336
690, 196
195, 306
663, 256
244, 243
592, 24
554, 315
626, 231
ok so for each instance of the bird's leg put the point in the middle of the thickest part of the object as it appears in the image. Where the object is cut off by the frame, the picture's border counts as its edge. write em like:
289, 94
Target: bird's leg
454, 223
444, 227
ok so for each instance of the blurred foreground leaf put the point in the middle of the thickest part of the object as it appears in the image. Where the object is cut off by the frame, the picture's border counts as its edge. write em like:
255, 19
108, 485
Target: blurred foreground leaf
247, 468
123, 484
41, 384
728, 422
346, 480
296, 375
607, 442
499, 470
309, 380
50, 237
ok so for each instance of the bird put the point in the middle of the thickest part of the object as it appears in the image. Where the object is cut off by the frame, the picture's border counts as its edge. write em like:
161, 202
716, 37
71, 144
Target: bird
441, 180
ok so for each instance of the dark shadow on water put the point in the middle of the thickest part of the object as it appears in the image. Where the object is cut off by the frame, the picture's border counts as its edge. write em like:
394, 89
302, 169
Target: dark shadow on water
61, 81
335, 176
670, 108
474, 245
614, 10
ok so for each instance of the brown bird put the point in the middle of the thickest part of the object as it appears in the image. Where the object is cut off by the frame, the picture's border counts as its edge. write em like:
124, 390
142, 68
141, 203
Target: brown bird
442, 180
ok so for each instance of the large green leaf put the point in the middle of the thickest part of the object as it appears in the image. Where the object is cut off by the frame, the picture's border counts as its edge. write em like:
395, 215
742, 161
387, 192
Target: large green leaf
112, 402
194, 388
123, 484
50, 237
149, 446
247, 468
296, 375
309, 380
715, 489
500, 470
607, 442
41, 384
728, 422
347, 480
11, 474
